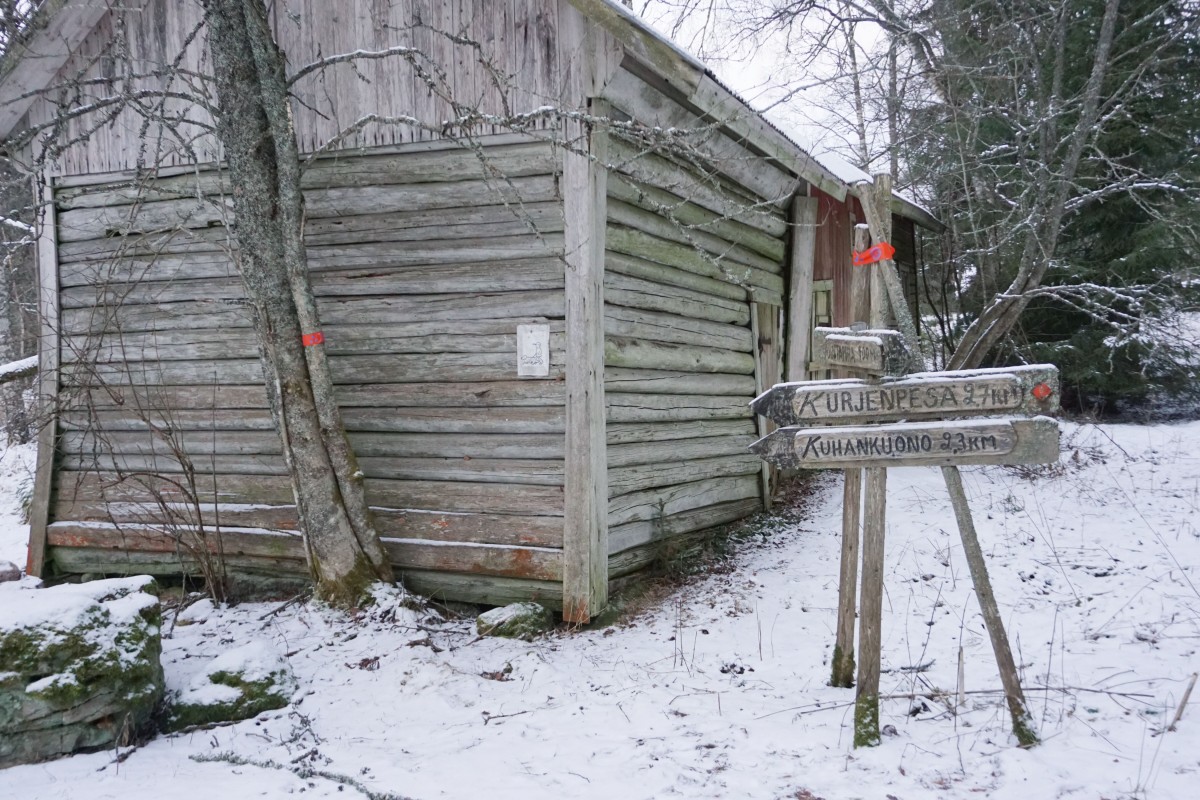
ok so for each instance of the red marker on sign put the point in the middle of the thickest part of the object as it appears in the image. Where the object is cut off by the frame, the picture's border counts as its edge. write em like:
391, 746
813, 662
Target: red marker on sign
1041, 391
879, 252
309, 339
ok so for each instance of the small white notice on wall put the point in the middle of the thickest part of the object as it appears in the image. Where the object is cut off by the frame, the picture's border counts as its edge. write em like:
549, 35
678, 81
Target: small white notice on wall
533, 351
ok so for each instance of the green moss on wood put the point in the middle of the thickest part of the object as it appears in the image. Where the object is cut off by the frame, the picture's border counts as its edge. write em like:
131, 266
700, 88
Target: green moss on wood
866, 721
843, 668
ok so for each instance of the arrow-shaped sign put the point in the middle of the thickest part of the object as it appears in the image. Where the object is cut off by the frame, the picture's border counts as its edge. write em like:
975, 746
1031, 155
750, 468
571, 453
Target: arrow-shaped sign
880, 252
928, 395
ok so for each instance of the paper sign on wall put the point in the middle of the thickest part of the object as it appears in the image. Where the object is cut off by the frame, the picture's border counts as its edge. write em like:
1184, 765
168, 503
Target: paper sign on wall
533, 351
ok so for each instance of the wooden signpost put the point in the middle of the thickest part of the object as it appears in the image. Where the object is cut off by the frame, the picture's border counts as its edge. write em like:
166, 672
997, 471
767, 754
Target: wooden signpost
875, 352
854, 424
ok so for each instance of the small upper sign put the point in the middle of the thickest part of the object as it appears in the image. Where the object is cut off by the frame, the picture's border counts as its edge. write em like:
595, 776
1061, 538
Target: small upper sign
875, 352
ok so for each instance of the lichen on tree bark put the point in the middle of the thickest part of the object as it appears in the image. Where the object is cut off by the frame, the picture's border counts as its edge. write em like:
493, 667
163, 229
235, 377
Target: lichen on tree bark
254, 125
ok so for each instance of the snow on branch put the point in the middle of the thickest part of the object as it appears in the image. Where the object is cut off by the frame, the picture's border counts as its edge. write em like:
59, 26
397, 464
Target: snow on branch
18, 369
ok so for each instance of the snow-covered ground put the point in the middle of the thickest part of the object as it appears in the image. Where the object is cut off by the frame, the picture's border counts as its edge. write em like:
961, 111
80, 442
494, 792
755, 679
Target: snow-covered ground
721, 689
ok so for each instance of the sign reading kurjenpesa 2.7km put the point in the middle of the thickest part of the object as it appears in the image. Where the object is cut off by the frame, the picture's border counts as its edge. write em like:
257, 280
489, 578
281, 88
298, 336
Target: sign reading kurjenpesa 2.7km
943, 398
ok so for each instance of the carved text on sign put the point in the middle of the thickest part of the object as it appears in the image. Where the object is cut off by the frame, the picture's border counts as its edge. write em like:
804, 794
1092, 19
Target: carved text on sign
1016, 441
941, 395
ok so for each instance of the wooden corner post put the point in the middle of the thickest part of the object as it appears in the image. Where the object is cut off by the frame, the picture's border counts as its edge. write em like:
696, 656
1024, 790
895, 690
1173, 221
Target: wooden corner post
800, 291
585, 532
48, 364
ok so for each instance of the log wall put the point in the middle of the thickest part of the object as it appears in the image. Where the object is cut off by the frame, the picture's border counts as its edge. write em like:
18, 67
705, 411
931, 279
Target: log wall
422, 278
688, 248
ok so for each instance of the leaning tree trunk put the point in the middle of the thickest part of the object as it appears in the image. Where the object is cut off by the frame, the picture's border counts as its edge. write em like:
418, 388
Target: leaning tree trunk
254, 124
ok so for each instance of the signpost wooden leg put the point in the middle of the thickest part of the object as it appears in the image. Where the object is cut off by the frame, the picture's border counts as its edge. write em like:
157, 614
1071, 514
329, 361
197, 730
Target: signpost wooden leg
1022, 722
843, 645
866, 702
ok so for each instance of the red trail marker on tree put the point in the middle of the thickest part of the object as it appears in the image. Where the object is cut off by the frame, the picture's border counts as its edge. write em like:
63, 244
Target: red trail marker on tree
879, 252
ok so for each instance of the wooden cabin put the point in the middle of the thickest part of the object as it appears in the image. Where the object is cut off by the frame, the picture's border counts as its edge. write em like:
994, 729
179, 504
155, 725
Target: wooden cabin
545, 324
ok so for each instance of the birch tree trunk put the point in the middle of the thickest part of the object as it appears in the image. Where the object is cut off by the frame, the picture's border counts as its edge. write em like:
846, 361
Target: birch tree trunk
255, 127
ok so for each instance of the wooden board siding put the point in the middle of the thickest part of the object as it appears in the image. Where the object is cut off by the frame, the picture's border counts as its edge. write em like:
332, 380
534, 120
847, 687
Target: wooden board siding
165, 419
514, 71
680, 354
832, 259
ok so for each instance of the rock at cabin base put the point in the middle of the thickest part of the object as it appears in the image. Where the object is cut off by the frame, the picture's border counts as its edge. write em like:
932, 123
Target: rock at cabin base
516, 621
9, 572
79, 667
236, 685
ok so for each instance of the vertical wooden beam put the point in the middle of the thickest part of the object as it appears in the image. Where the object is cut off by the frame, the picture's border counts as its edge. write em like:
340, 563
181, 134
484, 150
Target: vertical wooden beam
585, 534
48, 363
860, 283
843, 645
800, 291
1017, 708
881, 231
765, 320
866, 701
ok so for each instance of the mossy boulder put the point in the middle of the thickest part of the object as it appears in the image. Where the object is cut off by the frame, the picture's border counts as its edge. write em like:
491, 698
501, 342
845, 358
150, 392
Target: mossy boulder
79, 666
516, 621
236, 685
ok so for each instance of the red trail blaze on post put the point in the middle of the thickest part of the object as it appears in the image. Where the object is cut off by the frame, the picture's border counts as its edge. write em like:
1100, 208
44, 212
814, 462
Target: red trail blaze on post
879, 252
310, 339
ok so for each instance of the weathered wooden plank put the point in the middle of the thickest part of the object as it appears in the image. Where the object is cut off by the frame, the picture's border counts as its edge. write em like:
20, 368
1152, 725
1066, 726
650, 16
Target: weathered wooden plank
240, 570
509, 561
384, 199
464, 394
49, 379
876, 352
652, 295
633, 242
623, 407
585, 537
643, 532
682, 212
510, 263
941, 395
484, 589
673, 328
648, 222
708, 289
662, 503
339, 170
156, 461
653, 381
630, 432
193, 314
620, 351
457, 223
652, 169
164, 215
437, 166
457, 496
802, 261
108, 221
394, 368
1015, 441
623, 480
266, 502
200, 443
677, 450
223, 343
542, 472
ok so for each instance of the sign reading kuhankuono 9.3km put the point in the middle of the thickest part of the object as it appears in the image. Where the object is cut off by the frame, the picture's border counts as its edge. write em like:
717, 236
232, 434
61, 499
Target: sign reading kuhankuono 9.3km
991, 441
932, 395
